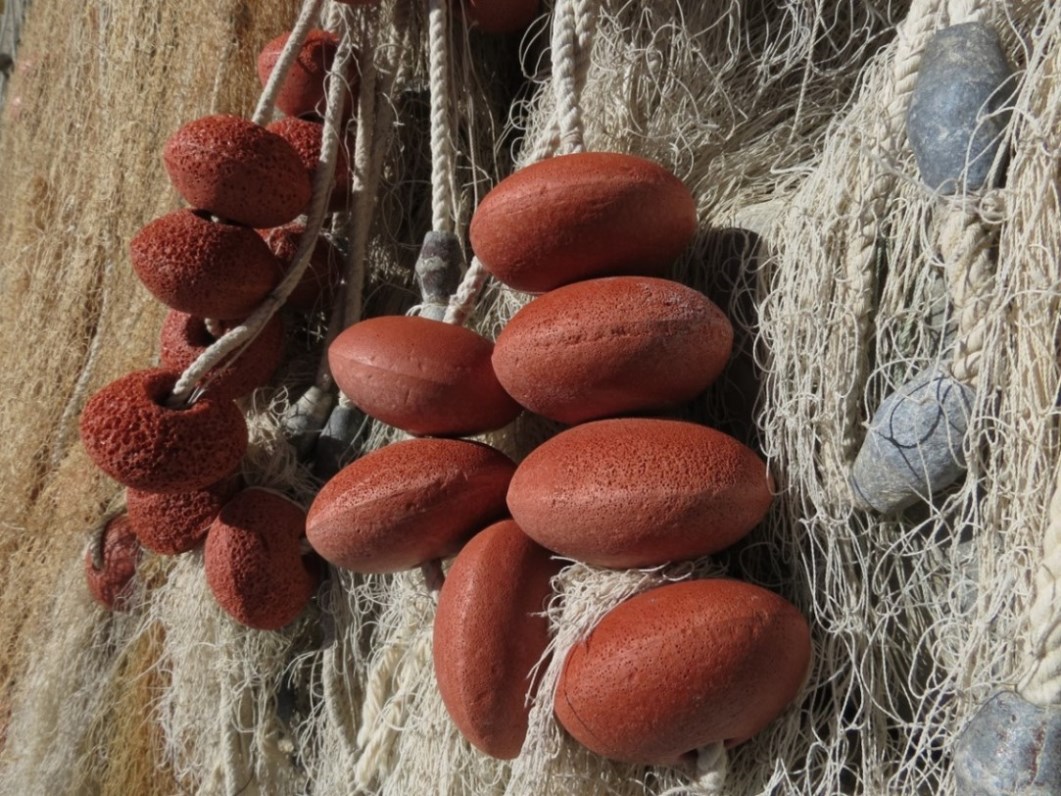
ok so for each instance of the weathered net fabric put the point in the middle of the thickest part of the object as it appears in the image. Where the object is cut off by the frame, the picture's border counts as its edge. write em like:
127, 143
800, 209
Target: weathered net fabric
816, 236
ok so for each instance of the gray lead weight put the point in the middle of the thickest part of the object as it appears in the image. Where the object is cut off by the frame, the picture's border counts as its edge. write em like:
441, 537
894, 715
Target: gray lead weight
913, 447
956, 119
335, 447
1010, 748
438, 272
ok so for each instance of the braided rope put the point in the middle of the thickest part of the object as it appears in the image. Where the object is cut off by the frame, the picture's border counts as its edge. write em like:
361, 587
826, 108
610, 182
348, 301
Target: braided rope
234, 341
442, 156
566, 54
966, 10
858, 286
574, 25
267, 100
1037, 166
389, 706
965, 244
462, 302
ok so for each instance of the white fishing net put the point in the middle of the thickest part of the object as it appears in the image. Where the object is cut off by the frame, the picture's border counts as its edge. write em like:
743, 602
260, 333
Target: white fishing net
786, 121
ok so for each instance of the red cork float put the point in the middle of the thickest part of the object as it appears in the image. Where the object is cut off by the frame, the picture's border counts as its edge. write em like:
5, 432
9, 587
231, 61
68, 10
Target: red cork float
681, 667
130, 433
305, 138
639, 492
202, 267
581, 216
407, 503
111, 584
237, 170
321, 277
489, 635
303, 89
612, 346
176, 523
185, 337
499, 16
423, 376
252, 560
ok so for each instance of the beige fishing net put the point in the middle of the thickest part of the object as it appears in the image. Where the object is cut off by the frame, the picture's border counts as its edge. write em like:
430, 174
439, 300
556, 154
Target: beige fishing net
842, 273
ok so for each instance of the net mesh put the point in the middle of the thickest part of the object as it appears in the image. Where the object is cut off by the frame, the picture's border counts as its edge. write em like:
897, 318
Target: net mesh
816, 237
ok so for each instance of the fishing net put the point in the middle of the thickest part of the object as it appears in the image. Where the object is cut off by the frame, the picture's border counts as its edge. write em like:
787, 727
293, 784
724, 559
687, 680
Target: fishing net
844, 277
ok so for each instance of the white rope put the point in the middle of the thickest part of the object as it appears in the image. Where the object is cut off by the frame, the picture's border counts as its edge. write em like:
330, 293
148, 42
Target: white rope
442, 157
233, 341
966, 10
463, 301
965, 244
567, 54
306, 17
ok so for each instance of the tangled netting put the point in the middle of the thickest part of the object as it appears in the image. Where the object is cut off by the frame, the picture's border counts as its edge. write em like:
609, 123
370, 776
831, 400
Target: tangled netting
833, 260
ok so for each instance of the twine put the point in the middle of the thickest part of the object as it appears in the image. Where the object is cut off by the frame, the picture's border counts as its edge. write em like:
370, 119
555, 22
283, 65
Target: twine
234, 341
267, 100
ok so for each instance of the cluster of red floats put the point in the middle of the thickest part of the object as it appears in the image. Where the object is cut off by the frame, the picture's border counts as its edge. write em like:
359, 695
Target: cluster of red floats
607, 337
606, 341
213, 264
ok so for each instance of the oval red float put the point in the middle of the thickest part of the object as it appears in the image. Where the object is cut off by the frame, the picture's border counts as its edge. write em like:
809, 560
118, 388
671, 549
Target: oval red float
490, 633
408, 503
683, 666
636, 492
425, 377
612, 346
581, 216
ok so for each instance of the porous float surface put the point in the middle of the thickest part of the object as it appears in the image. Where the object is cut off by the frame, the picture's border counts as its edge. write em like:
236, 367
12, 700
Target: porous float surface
252, 560
237, 170
176, 523
612, 346
303, 89
580, 216
633, 492
205, 268
304, 136
422, 376
138, 441
489, 634
184, 338
683, 666
408, 503
110, 584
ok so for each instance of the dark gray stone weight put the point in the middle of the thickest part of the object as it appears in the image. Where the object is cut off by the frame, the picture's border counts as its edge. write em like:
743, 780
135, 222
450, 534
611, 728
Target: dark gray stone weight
913, 447
335, 447
955, 122
438, 272
1010, 748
